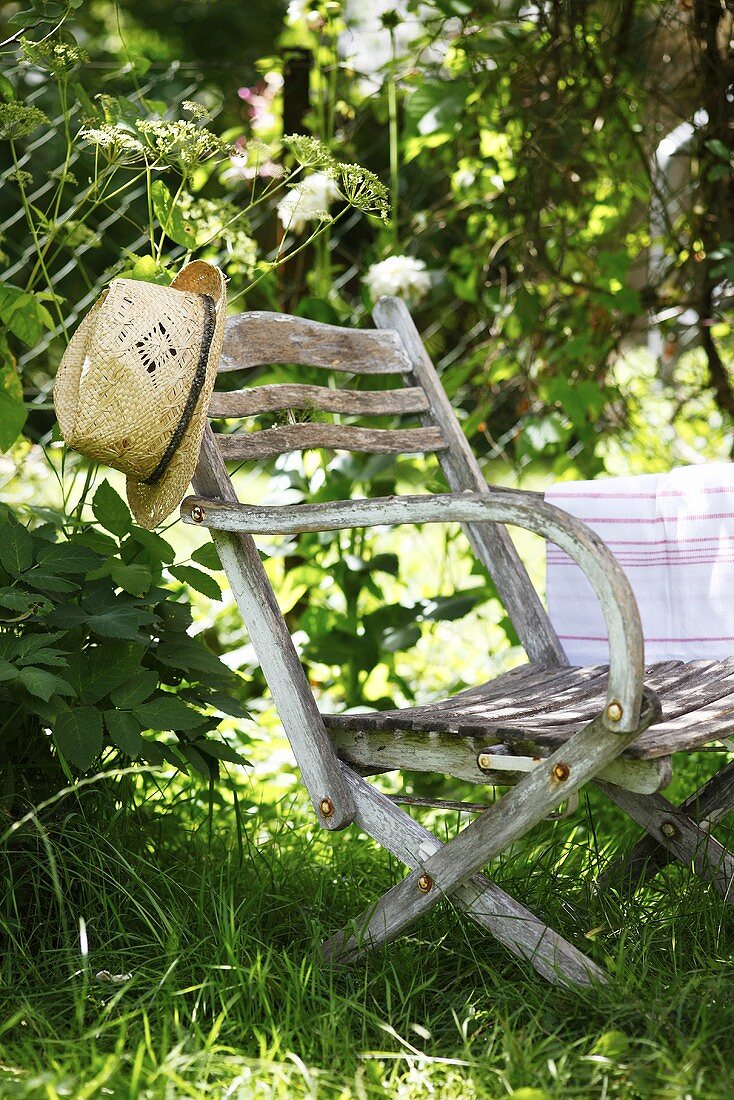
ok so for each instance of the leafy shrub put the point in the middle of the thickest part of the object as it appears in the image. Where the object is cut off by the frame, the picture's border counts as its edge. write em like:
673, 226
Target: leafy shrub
95, 656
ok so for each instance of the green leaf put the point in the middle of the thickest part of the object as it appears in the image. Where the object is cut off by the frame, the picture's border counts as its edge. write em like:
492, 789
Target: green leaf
86, 104
23, 602
97, 542
13, 412
207, 556
96, 672
20, 313
135, 691
146, 270
152, 753
43, 684
135, 579
49, 582
219, 701
437, 106
16, 549
339, 647
448, 608
67, 557
384, 563
111, 510
78, 735
38, 649
190, 654
405, 638
202, 582
8, 671
717, 148
220, 751
118, 622
168, 712
7, 91
154, 545
198, 762
171, 219
140, 63
124, 731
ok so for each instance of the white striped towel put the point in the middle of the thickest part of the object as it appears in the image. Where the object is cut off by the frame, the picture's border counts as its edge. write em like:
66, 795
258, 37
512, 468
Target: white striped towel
673, 534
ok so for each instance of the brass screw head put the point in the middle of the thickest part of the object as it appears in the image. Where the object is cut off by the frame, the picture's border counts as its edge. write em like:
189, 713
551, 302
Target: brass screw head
326, 807
484, 761
425, 883
668, 829
560, 772
197, 513
614, 712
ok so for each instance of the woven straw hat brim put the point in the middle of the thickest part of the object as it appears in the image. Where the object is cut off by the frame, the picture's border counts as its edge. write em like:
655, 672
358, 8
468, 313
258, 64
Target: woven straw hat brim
151, 504
128, 373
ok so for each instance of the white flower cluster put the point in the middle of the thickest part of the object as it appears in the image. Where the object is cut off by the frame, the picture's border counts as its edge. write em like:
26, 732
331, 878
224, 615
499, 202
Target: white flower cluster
399, 276
308, 201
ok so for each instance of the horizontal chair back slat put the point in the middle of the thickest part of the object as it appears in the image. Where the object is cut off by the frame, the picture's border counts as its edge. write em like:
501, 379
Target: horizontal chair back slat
263, 339
285, 395
298, 437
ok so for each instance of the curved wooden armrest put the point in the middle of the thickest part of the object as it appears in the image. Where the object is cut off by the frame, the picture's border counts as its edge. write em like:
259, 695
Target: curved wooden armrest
626, 648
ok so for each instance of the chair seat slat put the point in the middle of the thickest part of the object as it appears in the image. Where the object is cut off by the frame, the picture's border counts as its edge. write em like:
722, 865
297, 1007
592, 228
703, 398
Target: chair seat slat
284, 395
299, 437
258, 339
549, 705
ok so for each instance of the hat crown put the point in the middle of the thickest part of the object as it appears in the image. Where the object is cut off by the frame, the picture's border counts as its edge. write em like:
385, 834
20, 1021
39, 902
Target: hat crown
135, 356
133, 386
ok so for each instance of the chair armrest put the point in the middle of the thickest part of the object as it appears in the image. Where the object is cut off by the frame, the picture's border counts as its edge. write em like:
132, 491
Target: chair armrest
626, 647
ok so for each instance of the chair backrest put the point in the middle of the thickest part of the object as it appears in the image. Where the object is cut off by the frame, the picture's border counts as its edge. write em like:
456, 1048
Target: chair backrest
393, 350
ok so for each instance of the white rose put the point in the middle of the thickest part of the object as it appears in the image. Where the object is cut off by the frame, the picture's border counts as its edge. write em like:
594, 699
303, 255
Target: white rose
308, 201
399, 276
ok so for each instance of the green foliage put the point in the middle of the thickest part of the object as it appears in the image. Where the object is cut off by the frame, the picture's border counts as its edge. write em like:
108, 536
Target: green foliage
344, 593
95, 654
162, 174
518, 159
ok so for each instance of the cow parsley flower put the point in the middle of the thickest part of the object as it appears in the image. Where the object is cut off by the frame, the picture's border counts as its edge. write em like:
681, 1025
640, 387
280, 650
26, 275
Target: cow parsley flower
362, 189
115, 143
180, 144
308, 201
398, 276
17, 120
308, 151
53, 55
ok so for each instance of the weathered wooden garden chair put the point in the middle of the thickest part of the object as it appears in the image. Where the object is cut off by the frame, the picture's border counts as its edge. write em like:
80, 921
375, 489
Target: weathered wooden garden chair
542, 730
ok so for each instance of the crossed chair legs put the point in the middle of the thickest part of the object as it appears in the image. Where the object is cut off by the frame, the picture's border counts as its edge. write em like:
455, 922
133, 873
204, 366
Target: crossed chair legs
451, 870
676, 832
510, 922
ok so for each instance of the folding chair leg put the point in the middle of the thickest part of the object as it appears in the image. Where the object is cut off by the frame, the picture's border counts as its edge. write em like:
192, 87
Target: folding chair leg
706, 806
680, 835
534, 797
514, 926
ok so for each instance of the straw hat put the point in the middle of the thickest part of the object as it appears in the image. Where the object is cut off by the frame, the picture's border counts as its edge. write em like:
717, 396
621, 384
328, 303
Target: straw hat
134, 384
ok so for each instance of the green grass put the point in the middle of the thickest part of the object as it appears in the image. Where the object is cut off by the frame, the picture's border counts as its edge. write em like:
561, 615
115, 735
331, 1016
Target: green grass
217, 925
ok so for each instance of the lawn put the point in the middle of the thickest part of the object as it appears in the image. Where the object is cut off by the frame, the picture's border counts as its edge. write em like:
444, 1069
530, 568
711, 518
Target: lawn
173, 952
